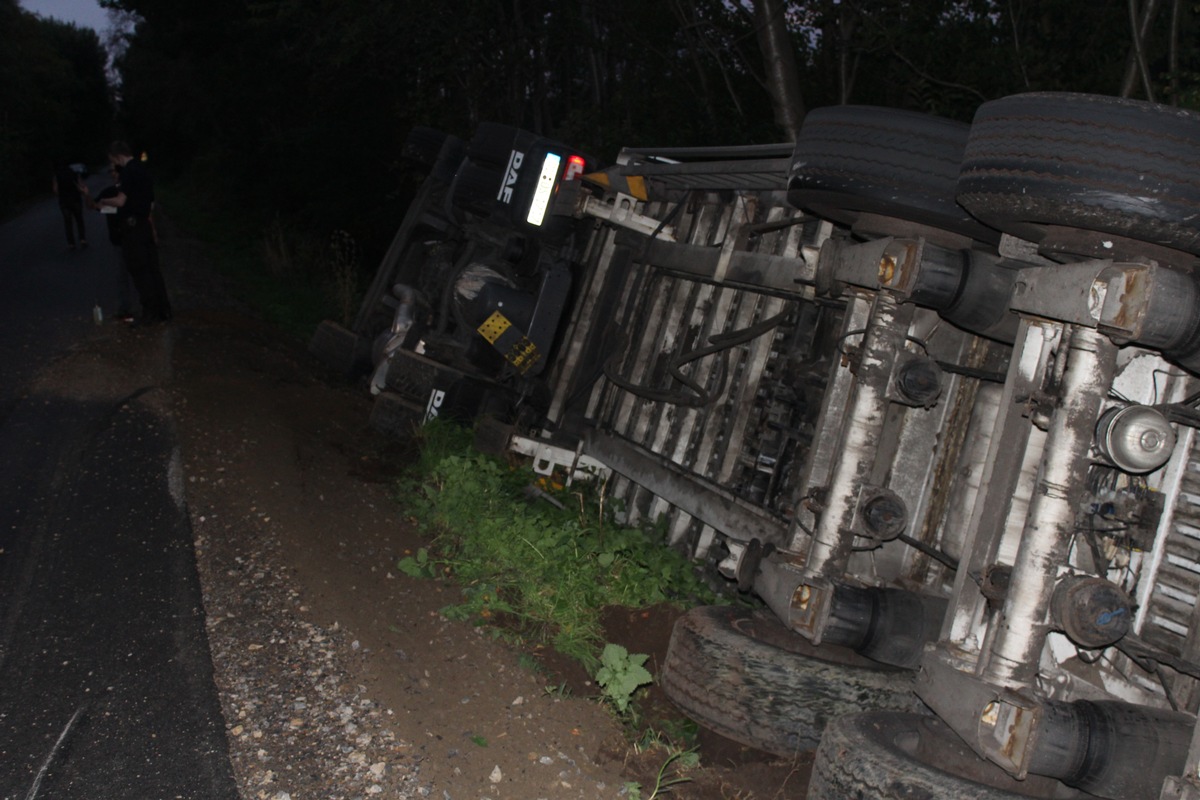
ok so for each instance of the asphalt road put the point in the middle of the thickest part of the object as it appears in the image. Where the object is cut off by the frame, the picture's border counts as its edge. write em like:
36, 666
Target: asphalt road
106, 686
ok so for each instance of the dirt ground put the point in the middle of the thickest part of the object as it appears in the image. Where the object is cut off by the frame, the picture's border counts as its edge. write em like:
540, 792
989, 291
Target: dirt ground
339, 676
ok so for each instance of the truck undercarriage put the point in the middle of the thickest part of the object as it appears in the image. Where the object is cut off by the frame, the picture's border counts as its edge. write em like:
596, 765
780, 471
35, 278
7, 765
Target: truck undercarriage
927, 390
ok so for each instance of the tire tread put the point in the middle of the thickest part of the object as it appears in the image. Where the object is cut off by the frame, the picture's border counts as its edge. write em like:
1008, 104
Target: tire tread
1108, 165
745, 676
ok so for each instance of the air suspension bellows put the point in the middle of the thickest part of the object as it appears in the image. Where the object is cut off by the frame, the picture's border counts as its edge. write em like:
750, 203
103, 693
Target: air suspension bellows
1111, 749
1167, 302
982, 304
970, 289
890, 626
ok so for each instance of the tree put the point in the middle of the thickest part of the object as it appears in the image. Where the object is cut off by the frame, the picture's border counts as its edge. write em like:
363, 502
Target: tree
54, 101
300, 107
783, 78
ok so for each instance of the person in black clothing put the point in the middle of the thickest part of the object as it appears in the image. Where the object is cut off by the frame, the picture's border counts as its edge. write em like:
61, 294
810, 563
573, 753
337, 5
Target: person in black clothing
125, 287
66, 185
134, 201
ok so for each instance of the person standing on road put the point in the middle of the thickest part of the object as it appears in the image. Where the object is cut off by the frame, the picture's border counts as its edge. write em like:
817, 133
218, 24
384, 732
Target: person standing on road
124, 280
68, 187
134, 201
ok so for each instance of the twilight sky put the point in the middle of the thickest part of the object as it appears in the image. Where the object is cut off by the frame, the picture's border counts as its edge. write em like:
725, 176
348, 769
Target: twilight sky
85, 13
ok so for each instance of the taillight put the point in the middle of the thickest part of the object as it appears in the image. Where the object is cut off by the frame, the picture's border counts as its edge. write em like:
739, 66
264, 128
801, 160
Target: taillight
575, 165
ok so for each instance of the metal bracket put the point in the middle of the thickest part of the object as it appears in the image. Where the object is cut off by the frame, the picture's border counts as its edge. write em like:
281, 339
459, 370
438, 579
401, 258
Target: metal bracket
1180, 788
999, 724
811, 605
548, 458
619, 211
886, 263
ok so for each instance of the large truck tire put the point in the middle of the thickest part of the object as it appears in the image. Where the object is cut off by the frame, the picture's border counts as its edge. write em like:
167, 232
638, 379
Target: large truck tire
1038, 163
851, 161
889, 755
744, 675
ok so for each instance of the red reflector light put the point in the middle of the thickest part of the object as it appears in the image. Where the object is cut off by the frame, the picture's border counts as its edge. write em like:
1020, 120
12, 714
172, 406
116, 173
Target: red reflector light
575, 166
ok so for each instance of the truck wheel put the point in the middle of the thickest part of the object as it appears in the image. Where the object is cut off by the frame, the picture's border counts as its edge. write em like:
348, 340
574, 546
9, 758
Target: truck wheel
888, 755
744, 675
854, 163
1071, 171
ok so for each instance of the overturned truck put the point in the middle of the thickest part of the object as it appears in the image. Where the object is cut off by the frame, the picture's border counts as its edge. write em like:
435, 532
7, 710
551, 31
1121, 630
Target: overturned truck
926, 389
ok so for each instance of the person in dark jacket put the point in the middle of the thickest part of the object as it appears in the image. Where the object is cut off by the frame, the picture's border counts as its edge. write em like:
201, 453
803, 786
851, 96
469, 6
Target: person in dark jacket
125, 287
134, 201
67, 185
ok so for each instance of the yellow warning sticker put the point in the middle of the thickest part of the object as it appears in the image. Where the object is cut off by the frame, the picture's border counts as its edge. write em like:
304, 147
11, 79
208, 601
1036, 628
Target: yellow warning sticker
494, 327
523, 355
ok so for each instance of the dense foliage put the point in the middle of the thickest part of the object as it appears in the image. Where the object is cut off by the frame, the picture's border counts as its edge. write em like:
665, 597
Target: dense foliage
54, 101
300, 107
296, 110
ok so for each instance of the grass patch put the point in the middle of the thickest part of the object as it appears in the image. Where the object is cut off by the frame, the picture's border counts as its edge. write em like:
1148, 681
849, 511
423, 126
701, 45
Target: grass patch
546, 569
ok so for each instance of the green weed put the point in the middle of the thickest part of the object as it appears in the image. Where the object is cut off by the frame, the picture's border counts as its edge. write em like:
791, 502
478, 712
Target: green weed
558, 692
679, 733
668, 776
418, 566
528, 663
621, 674
544, 569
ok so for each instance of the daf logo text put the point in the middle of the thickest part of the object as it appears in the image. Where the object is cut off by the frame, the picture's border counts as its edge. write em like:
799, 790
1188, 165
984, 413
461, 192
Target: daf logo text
510, 176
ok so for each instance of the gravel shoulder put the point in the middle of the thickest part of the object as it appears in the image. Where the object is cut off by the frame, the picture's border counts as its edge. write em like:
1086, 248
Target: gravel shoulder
339, 676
